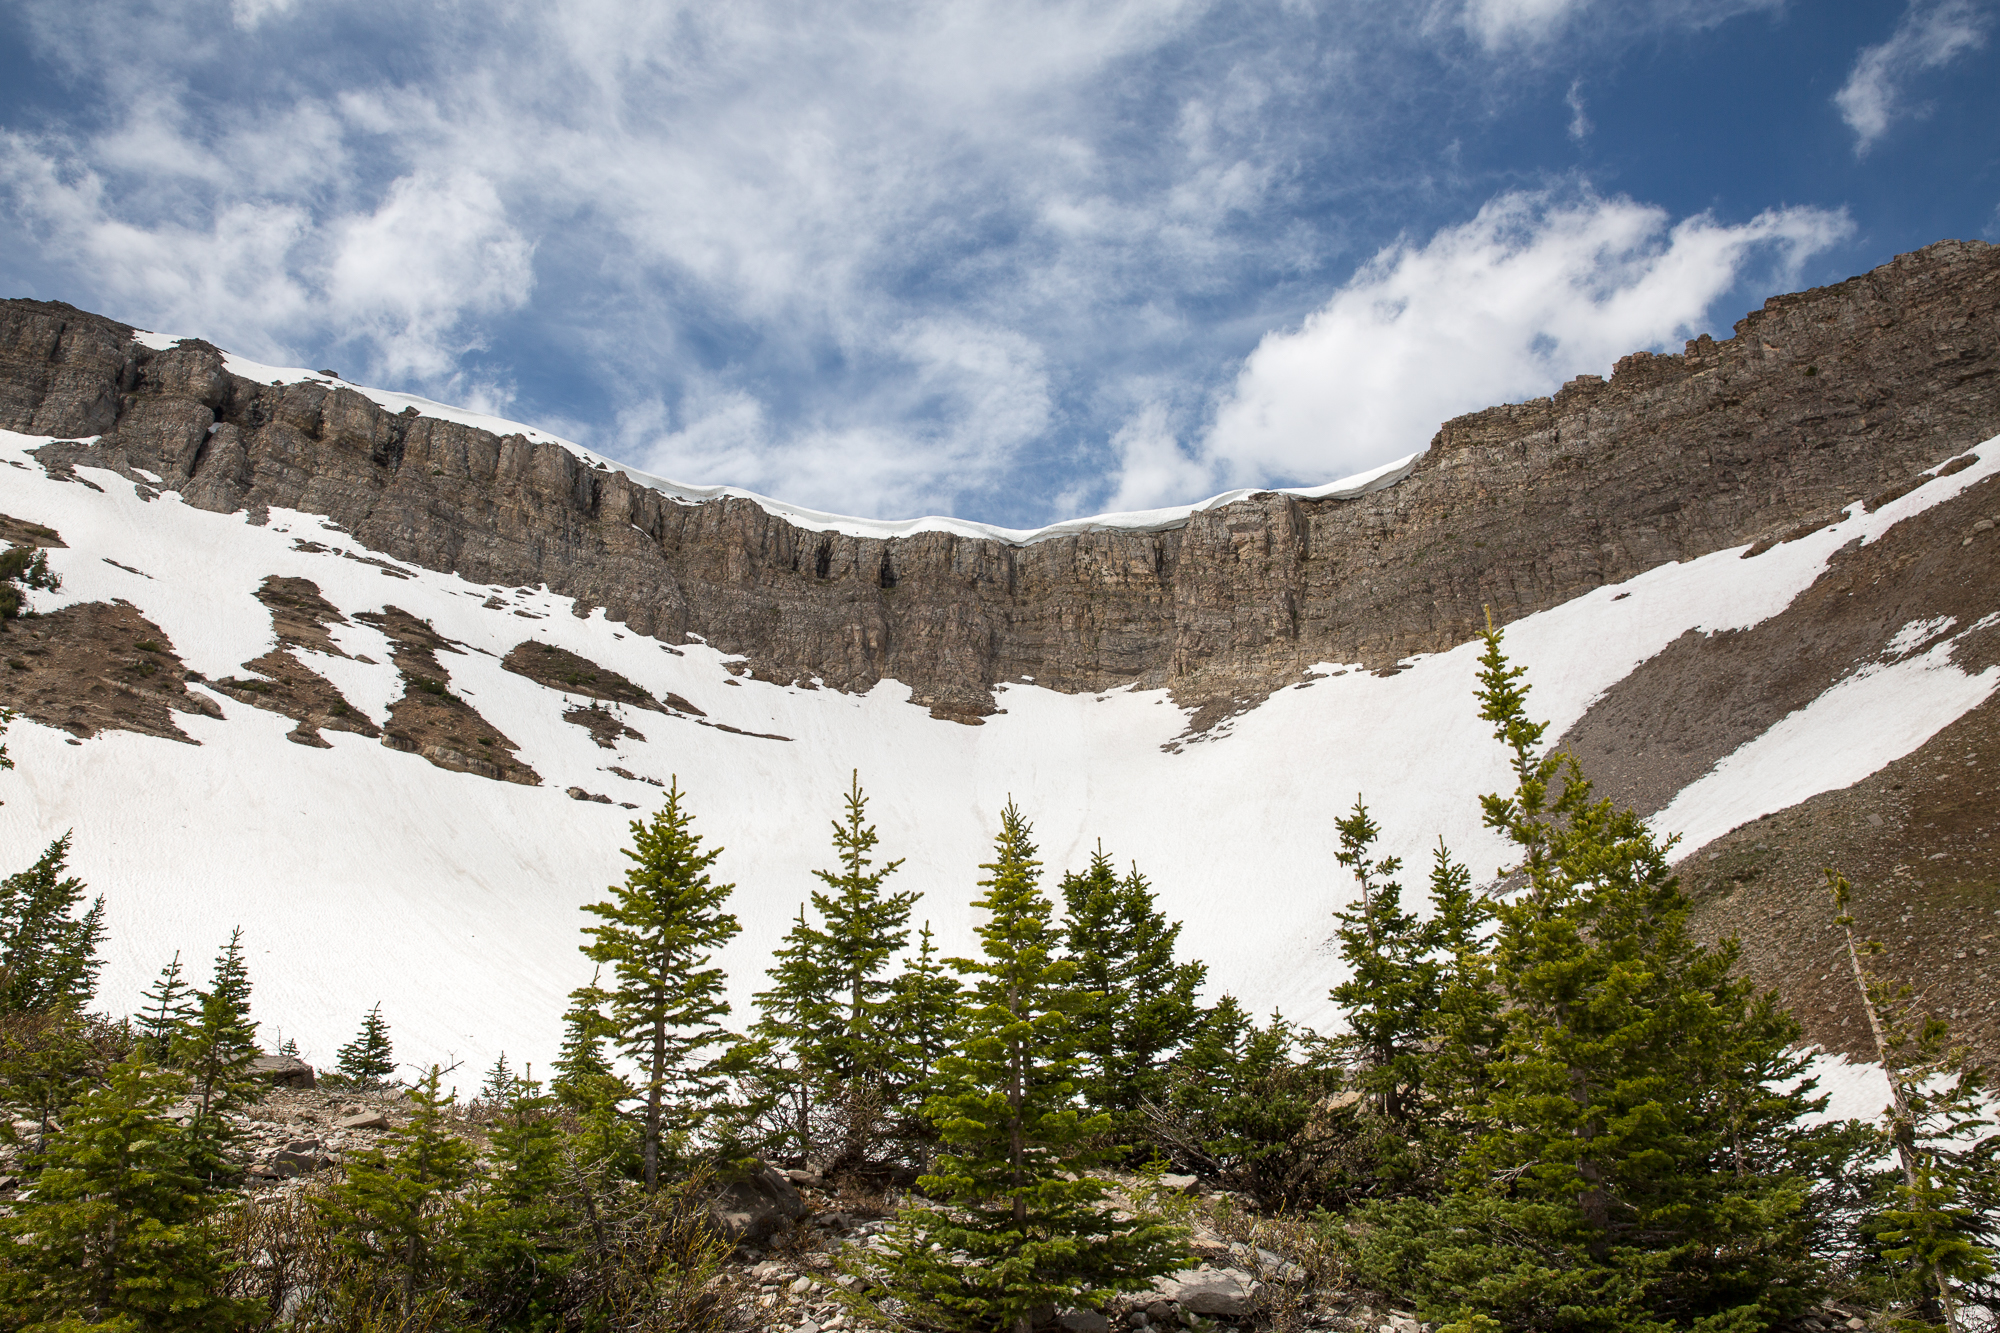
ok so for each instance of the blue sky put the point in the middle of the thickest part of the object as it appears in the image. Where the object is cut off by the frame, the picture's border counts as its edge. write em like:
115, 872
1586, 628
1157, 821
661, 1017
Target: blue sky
1012, 261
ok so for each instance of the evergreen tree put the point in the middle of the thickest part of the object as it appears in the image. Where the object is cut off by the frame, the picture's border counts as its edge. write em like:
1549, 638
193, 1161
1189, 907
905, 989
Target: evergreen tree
583, 1077
23, 567
498, 1088
1392, 989
517, 1257
117, 1231
1132, 1006
1024, 1225
799, 1020
1634, 1167
398, 1212
1243, 1107
48, 955
924, 1000
1939, 1231
1466, 1029
660, 930
369, 1058
49, 1059
216, 1048
863, 928
168, 1009
829, 1010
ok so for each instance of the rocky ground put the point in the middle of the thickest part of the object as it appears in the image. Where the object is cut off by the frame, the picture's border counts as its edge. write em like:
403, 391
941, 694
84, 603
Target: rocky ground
805, 1238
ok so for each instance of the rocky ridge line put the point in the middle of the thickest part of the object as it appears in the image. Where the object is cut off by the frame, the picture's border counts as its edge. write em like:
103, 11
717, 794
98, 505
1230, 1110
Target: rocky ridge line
1819, 399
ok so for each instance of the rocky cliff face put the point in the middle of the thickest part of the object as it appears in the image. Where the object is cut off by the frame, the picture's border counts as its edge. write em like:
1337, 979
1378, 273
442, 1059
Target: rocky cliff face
1820, 399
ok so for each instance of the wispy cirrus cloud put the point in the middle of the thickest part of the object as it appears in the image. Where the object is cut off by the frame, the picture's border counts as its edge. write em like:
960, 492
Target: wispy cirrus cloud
1930, 35
1499, 23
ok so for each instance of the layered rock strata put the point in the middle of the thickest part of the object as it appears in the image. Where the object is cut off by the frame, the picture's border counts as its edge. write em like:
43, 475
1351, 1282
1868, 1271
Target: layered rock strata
1820, 399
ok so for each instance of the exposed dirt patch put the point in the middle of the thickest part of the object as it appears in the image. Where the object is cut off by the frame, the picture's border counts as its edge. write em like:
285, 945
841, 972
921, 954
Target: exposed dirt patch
284, 684
98, 666
300, 615
430, 719
559, 669
1918, 840
21, 532
605, 727
1673, 718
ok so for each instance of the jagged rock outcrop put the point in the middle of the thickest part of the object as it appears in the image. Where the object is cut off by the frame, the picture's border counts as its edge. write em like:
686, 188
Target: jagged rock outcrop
1821, 398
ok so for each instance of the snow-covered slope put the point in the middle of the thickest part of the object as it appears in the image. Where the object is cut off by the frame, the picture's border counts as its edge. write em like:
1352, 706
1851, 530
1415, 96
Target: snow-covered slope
360, 873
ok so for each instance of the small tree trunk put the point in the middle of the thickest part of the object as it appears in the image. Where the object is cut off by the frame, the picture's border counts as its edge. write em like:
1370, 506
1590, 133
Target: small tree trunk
1905, 1121
659, 1073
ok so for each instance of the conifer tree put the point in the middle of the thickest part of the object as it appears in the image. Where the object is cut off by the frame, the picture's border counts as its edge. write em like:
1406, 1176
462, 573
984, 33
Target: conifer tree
924, 1000
398, 1211
583, 1077
216, 1048
1466, 1028
1391, 991
23, 567
169, 1007
517, 1262
118, 1225
370, 1057
1240, 1105
1634, 1168
48, 955
863, 928
828, 1013
1940, 1230
1132, 1006
659, 933
1024, 1225
799, 1020
497, 1090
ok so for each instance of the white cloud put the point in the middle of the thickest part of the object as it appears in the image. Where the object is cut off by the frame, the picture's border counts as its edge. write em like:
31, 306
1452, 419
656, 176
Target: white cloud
1497, 21
1153, 469
861, 256
406, 275
249, 13
1530, 292
1513, 23
1930, 35
1579, 116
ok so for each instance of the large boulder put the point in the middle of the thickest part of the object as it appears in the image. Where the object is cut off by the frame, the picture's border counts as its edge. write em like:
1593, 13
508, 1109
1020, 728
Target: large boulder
1213, 1291
286, 1071
756, 1206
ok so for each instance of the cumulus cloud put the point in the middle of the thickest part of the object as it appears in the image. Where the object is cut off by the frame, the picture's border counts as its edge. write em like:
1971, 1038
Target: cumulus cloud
1530, 292
405, 275
1930, 35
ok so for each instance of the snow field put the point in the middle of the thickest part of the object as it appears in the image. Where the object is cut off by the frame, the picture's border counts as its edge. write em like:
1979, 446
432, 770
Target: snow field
362, 874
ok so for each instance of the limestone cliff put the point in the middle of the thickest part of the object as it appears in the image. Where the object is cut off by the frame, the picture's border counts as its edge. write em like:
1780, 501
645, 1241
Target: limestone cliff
1820, 399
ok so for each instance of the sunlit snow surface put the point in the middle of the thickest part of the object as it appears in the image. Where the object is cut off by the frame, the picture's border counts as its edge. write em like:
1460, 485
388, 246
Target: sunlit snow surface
362, 874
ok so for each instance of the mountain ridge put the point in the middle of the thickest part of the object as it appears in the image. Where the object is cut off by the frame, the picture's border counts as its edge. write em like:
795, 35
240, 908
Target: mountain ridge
1821, 397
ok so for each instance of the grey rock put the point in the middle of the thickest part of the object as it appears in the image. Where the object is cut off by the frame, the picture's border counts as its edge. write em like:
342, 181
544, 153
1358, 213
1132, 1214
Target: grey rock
285, 1071
363, 1120
757, 1205
1211, 1291
1085, 1321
